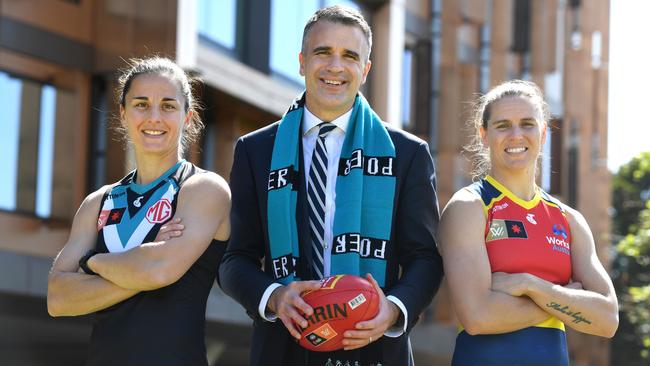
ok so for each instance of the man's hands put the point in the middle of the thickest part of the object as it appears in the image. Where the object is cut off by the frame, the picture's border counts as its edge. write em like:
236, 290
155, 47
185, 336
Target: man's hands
371, 330
286, 302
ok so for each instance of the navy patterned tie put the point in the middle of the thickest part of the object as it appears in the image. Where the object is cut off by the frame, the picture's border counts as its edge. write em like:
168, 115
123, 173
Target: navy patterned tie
316, 197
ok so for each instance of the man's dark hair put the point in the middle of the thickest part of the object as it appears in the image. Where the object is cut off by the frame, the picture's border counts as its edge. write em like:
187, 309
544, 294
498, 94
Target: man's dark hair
342, 15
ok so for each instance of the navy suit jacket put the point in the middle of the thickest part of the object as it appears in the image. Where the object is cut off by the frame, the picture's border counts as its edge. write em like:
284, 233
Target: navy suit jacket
414, 267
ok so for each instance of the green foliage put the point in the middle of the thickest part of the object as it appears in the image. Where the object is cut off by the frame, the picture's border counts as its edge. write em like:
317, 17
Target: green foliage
631, 188
636, 300
631, 222
636, 245
637, 309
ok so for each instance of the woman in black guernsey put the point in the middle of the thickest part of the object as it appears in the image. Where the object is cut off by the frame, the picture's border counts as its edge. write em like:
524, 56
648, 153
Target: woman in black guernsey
143, 253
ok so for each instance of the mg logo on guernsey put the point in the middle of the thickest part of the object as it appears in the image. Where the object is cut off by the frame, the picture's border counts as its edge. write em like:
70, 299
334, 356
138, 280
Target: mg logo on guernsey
159, 212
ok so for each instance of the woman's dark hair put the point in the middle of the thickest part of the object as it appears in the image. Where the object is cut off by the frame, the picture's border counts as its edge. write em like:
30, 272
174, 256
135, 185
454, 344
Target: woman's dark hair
163, 66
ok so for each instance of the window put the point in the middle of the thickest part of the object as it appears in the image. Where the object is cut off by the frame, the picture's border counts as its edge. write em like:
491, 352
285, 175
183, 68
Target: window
288, 18
98, 134
28, 111
596, 50
217, 21
484, 59
10, 89
521, 36
521, 27
45, 151
555, 158
209, 150
574, 146
416, 102
407, 89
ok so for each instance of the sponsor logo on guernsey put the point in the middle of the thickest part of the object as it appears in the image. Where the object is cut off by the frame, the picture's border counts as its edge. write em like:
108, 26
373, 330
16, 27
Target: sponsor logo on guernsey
502, 229
558, 240
115, 216
500, 207
101, 220
558, 229
116, 195
110, 217
159, 212
531, 218
137, 202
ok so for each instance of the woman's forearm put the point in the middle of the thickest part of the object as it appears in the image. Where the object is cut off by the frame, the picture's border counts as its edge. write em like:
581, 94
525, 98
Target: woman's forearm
74, 293
583, 310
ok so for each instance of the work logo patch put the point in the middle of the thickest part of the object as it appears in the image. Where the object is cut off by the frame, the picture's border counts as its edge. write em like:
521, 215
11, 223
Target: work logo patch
558, 240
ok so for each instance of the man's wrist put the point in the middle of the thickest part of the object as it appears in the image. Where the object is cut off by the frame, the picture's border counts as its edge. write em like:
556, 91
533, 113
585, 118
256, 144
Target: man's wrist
399, 327
395, 313
263, 306
270, 305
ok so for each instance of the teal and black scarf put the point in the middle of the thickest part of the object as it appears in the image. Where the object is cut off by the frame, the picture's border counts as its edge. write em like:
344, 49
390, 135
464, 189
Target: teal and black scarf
365, 190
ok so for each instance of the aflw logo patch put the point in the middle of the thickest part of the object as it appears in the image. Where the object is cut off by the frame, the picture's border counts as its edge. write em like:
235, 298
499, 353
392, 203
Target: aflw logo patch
502, 229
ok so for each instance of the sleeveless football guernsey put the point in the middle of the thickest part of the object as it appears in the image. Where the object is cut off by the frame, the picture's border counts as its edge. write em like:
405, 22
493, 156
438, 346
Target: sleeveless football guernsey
521, 237
163, 326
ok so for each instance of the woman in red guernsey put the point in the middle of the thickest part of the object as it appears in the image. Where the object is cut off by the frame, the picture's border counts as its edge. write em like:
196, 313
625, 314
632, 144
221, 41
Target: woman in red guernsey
520, 265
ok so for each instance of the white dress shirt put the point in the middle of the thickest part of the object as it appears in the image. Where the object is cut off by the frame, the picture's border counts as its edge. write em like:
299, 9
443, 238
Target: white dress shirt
333, 144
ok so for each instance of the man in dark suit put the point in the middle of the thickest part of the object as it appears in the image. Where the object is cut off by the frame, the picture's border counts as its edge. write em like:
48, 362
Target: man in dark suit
327, 190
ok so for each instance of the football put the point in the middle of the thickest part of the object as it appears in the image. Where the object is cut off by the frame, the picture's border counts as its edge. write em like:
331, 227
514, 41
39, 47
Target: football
340, 303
